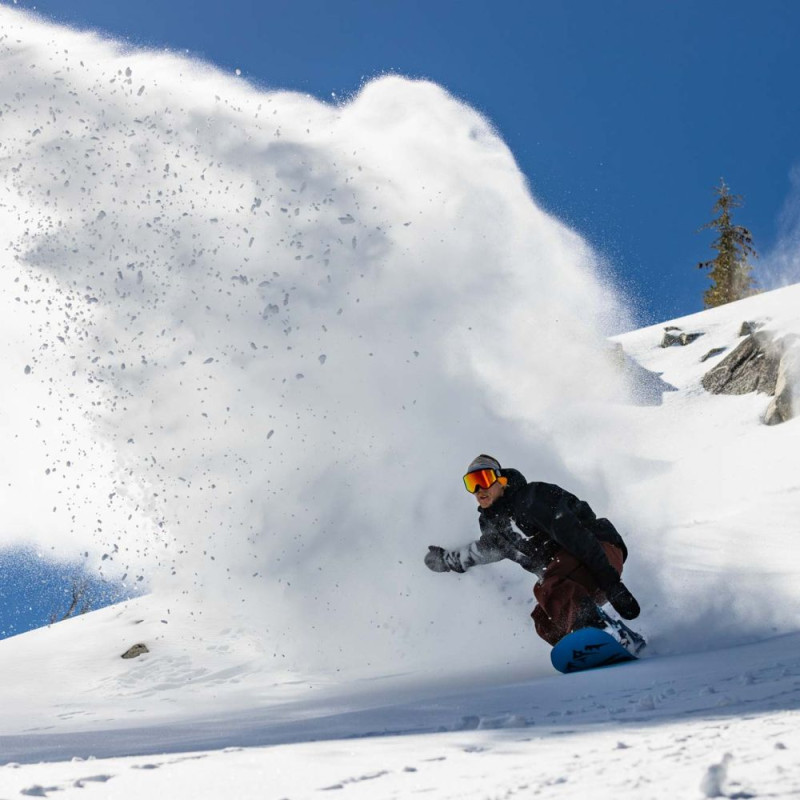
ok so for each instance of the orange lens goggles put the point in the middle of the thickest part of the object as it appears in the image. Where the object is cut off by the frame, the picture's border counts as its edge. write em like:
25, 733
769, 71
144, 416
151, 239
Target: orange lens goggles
481, 478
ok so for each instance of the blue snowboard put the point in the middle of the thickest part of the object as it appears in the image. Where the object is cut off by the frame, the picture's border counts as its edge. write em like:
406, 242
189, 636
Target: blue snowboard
588, 648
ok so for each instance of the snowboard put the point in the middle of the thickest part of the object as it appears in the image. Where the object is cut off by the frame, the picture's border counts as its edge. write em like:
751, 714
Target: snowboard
588, 648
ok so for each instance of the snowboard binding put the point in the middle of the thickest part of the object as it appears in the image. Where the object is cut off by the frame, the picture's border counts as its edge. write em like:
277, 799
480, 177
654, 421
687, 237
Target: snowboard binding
633, 642
604, 642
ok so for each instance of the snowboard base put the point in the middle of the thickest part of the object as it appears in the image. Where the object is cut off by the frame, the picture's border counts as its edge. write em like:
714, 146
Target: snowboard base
588, 648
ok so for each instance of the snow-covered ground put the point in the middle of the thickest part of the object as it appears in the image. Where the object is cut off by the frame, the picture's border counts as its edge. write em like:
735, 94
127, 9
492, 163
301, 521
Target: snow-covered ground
253, 341
206, 712
719, 723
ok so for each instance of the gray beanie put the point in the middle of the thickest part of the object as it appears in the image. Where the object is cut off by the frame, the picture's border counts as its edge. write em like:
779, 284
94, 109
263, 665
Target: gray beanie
484, 462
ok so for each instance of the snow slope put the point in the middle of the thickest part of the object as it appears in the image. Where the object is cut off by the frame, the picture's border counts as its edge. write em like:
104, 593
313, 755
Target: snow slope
205, 712
707, 724
252, 350
726, 484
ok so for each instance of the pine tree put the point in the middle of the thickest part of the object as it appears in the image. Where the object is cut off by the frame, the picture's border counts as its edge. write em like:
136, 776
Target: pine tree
730, 274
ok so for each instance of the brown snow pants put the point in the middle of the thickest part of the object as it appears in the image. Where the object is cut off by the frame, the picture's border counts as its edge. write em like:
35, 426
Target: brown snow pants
563, 590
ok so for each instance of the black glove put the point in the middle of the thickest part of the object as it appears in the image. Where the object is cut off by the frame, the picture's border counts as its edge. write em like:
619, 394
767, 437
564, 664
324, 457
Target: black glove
623, 601
435, 560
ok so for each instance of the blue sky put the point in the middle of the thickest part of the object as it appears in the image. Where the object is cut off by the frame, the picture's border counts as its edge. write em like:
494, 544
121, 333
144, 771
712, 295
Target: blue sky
623, 115
35, 590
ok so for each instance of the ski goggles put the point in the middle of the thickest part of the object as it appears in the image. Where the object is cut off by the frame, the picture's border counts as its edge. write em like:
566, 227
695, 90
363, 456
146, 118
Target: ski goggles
481, 479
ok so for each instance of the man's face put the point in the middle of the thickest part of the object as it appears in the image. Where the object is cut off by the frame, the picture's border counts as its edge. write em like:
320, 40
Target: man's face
486, 497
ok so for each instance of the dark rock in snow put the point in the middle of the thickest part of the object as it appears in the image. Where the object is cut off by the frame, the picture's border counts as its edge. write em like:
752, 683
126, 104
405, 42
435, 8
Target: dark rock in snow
673, 335
135, 651
786, 403
715, 351
751, 367
749, 328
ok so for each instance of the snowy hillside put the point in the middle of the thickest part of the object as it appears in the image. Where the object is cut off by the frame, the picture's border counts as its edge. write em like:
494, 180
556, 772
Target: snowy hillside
207, 712
253, 340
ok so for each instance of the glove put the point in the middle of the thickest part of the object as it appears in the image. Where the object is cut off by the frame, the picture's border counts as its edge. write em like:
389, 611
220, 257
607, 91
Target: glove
436, 560
623, 601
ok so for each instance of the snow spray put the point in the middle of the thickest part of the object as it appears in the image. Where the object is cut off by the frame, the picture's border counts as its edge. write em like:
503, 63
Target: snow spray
254, 339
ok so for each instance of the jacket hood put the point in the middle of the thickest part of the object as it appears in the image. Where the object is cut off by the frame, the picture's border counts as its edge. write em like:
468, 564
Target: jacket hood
516, 480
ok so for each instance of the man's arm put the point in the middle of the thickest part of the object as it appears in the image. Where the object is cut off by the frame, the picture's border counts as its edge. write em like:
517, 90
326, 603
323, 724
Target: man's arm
463, 558
498, 541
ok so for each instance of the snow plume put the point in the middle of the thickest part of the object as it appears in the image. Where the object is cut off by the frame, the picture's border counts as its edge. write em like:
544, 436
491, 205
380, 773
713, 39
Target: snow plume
781, 265
254, 339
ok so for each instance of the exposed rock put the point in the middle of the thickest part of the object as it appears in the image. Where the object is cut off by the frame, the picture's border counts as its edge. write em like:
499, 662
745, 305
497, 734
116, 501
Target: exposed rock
752, 366
135, 651
749, 328
761, 364
673, 335
715, 351
786, 403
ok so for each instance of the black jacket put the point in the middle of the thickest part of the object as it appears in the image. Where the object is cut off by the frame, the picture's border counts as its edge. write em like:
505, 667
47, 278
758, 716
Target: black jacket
549, 519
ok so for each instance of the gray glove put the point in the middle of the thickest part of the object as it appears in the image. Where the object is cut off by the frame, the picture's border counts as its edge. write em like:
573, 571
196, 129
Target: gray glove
440, 560
434, 559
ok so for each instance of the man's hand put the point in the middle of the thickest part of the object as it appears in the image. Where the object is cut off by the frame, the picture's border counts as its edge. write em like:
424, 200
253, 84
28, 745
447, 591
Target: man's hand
623, 601
434, 559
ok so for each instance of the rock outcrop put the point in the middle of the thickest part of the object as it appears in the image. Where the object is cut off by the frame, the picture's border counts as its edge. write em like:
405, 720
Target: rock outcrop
135, 651
751, 367
713, 353
749, 327
786, 403
673, 335
764, 364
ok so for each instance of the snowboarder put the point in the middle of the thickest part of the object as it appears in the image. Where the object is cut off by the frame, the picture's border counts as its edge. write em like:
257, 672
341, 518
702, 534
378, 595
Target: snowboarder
577, 557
